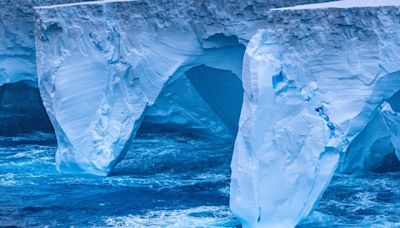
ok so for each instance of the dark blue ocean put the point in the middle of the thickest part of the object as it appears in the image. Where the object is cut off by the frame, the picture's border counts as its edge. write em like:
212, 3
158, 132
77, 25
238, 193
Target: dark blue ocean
166, 180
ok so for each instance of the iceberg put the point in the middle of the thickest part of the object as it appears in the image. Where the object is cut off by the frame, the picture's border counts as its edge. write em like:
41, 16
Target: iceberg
309, 81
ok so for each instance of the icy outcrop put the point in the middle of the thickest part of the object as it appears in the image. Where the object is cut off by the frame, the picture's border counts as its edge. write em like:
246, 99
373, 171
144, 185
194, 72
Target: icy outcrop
312, 80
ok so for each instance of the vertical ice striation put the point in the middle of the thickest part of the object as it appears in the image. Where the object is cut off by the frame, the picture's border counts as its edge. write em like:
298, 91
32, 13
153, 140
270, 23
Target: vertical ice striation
17, 47
99, 71
21, 108
313, 79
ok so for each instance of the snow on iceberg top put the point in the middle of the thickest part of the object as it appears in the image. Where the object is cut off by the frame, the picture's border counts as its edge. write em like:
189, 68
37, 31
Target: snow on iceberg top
343, 4
81, 3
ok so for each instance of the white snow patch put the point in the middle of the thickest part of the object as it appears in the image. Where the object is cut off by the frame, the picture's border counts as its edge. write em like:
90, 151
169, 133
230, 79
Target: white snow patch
344, 4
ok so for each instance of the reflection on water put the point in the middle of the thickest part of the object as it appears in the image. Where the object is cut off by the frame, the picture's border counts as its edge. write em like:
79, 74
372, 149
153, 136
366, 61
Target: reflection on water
165, 180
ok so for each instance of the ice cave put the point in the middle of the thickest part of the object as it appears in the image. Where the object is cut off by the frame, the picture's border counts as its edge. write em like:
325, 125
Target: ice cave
184, 113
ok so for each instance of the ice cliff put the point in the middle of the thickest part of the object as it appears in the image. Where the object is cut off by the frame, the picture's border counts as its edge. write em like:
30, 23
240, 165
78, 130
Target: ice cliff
316, 84
313, 81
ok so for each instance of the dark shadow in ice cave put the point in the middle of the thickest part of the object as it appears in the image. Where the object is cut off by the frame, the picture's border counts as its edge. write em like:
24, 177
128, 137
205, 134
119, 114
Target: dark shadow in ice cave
21, 110
185, 143
184, 147
179, 159
178, 165
372, 150
364, 190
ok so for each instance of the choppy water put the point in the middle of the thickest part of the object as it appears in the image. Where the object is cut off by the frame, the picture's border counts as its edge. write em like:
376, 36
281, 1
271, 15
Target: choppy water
165, 180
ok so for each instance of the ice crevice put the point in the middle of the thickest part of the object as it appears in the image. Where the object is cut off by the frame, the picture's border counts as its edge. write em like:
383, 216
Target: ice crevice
311, 83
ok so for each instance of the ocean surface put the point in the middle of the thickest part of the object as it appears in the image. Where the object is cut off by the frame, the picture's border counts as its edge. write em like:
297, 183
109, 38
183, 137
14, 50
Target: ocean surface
166, 180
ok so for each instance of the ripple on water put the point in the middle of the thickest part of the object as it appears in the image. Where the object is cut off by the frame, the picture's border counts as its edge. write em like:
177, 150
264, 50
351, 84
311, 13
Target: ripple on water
166, 180
205, 216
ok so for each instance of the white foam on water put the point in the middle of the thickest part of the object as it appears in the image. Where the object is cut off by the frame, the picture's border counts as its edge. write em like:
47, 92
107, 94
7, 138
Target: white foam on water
204, 216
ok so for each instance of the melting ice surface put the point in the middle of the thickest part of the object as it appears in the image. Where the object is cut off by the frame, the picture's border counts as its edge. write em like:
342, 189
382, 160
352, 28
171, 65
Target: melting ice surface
166, 179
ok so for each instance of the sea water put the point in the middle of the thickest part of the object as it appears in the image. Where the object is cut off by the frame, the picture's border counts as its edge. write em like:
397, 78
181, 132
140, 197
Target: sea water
165, 180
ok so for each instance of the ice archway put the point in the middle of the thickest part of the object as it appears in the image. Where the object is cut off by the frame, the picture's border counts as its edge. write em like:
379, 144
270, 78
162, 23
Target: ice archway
313, 79
96, 117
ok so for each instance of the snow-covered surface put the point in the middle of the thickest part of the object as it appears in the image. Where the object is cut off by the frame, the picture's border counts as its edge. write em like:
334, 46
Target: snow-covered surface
344, 4
312, 79
92, 2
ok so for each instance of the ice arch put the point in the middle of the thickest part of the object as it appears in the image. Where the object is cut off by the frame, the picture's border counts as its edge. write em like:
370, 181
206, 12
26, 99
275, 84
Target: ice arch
373, 150
103, 81
203, 101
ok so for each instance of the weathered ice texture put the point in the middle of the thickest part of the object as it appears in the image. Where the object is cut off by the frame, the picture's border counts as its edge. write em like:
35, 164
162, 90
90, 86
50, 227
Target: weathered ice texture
100, 70
17, 47
392, 121
312, 80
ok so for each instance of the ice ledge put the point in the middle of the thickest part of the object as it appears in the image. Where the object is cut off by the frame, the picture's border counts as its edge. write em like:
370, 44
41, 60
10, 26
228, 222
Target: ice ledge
343, 4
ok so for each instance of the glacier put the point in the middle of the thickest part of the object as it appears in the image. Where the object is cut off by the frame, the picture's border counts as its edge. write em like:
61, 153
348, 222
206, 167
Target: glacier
302, 91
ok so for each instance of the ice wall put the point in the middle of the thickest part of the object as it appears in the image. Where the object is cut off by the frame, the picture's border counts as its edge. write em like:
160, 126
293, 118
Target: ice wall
17, 47
99, 72
313, 79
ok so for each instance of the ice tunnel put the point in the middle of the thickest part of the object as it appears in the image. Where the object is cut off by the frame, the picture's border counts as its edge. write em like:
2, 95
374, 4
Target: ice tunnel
374, 148
96, 120
204, 101
21, 109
